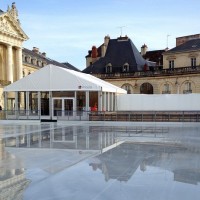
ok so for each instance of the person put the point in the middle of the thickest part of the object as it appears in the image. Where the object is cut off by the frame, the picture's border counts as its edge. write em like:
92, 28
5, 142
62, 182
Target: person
0, 107
94, 108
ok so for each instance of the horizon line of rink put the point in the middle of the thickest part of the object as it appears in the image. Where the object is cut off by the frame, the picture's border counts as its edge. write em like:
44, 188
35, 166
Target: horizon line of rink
117, 149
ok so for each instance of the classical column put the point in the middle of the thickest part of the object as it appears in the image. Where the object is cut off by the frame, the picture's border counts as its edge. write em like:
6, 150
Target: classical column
19, 63
9, 63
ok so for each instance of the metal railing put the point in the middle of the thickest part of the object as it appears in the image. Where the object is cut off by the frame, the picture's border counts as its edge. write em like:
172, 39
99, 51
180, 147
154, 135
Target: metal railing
150, 73
147, 116
132, 116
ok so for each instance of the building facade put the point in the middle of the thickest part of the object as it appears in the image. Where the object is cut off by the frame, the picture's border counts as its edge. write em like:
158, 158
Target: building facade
11, 41
175, 71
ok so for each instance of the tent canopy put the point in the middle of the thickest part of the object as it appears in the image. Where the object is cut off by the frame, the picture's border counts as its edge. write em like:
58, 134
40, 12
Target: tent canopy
54, 78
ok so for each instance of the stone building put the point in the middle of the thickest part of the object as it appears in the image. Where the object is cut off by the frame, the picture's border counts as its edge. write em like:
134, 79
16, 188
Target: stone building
16, 61
174, 71
11, 40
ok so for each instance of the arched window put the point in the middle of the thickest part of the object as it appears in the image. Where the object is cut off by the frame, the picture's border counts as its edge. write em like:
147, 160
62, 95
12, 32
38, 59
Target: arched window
128, 88
38, 63
125, 67
166, 89
146, 88
26, 59
109, 68
187, 87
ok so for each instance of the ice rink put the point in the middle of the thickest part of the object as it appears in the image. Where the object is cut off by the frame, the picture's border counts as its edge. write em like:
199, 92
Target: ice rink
79, 160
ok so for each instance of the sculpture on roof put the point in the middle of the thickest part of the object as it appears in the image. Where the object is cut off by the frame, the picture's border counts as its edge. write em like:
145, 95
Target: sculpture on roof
13, 12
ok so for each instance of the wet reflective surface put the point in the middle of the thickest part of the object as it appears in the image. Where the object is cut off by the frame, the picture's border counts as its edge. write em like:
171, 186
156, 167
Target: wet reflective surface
99, 161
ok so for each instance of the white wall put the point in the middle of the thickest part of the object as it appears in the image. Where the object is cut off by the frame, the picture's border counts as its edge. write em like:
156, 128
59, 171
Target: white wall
160, 102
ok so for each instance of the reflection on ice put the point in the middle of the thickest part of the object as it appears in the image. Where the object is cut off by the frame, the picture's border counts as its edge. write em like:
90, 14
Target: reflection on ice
121, 162
12, 175
117, 161
71, 137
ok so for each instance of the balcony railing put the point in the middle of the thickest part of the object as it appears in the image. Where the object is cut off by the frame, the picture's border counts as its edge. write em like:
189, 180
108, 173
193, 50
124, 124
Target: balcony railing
151, 73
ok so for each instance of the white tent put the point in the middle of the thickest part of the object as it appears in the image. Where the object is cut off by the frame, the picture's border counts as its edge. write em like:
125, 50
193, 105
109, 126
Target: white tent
53, 91
54, 78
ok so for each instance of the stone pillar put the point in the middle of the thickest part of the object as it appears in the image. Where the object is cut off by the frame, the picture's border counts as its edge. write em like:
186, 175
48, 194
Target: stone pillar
9, 63
19, 63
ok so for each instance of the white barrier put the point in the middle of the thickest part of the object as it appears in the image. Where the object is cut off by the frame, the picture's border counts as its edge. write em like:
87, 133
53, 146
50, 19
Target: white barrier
158, 102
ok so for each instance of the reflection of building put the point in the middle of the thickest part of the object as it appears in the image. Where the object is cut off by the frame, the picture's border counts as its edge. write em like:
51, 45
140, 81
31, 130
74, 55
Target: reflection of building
74, 137
122, 162
16, 61
174, 71
12, 177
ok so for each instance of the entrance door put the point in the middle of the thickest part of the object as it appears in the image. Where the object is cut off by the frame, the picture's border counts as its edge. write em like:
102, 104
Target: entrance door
146, 88
68, 107
63, 107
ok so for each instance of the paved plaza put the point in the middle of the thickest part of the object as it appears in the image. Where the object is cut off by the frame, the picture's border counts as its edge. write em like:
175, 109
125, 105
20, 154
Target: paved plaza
84, 160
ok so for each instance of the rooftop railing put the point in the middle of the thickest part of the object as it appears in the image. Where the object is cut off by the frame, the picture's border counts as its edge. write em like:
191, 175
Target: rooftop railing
151, 73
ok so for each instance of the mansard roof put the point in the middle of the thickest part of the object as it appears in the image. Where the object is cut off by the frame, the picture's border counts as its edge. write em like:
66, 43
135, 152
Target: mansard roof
119, 51
191, 45
40, 56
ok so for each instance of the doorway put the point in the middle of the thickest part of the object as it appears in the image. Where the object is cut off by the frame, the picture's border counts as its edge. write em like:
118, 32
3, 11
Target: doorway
146, 88
63, 107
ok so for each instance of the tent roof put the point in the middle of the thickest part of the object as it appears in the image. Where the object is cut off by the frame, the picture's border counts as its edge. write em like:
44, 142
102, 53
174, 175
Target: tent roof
54, 78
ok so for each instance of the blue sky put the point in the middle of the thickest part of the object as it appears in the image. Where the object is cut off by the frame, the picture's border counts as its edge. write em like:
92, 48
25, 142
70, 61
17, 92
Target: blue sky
67, 29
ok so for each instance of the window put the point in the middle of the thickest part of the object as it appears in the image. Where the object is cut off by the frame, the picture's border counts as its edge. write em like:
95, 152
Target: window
125, 67
193, 62
27, 59
166, 89
128, 88
109, 68
171, 64
188, 88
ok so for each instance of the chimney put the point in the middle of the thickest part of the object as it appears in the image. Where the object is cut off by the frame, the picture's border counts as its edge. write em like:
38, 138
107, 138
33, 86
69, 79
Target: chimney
105, 45
94, 54
35, 50
44, 54
144, 49
106, 40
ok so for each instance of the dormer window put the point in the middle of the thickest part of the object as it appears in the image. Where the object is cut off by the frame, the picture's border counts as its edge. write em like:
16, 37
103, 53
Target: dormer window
109, 68
125, 67
193, 62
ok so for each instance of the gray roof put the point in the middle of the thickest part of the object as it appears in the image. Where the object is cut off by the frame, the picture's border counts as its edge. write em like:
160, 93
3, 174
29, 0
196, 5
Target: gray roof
191, 45
48, 60
119, 51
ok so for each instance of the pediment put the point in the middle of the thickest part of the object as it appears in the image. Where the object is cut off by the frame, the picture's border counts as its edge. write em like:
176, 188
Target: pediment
10, 26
